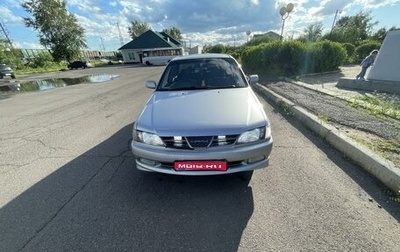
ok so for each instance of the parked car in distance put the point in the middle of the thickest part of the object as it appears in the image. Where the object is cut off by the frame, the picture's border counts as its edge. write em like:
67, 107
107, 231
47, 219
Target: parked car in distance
6, 71
79, 64
202, 119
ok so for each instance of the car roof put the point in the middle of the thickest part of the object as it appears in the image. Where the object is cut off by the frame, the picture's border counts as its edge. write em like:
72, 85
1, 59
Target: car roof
202, 56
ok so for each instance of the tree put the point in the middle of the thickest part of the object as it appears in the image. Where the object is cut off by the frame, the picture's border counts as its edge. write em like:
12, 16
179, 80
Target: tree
352, 29
173, 32
218, 48
137, 28
259, 39
380, 34
9, 55
312, 33
58, 29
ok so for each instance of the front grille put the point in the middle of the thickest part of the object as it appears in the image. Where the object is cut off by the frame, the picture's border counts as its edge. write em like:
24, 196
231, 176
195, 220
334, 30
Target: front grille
199, 142
194, 142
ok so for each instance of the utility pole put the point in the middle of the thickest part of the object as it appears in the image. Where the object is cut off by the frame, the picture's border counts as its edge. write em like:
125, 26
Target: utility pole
6, 34
102, 44
333, 23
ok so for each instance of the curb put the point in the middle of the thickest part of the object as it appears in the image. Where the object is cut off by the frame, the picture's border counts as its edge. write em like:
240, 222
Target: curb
391, 87
384, 170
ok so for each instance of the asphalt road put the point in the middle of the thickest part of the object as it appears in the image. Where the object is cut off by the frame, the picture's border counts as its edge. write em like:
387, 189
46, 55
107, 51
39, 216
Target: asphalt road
68, 183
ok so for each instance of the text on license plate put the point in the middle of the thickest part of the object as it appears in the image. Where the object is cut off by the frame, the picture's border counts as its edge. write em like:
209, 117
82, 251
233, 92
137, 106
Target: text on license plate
200, 166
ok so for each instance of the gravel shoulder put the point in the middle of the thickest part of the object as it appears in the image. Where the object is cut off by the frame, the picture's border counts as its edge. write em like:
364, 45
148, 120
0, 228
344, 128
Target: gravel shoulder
379, 133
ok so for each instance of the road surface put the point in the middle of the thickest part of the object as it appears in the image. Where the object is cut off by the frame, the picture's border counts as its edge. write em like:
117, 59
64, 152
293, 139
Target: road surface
68, 183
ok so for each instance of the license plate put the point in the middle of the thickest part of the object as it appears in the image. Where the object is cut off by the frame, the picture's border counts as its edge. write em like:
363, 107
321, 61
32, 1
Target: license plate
200, 166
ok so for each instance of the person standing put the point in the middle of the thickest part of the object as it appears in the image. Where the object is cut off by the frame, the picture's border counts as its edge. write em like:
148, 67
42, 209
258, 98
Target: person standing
367, 62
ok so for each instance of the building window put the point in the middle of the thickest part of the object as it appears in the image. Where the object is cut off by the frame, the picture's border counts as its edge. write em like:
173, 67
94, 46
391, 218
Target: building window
131, 56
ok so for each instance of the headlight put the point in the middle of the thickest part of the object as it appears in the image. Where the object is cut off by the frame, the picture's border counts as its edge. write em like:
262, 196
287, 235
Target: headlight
255, 135
147, 138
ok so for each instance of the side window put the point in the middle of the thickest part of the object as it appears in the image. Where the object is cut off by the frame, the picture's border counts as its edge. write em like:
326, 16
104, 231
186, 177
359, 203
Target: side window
131, 56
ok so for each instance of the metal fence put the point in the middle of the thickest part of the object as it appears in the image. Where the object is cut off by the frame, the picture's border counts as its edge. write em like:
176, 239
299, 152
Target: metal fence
30, 54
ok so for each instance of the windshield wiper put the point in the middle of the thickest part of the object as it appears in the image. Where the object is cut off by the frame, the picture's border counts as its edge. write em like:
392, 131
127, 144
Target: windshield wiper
221, 87
189, 88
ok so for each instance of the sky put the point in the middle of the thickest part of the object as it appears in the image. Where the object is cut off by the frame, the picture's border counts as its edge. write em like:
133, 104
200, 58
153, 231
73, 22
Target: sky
200, 21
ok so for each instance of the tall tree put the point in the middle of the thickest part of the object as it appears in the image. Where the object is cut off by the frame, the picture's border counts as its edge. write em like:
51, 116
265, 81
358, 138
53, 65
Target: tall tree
312, 33
174, 32
353, 29
58, 29
380, 34
137, 28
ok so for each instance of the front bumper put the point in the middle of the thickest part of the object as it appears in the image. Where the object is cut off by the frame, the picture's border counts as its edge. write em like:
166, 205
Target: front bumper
244, 157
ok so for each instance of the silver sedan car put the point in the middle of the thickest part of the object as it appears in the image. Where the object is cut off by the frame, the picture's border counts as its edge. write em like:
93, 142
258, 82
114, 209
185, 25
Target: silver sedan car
202, 119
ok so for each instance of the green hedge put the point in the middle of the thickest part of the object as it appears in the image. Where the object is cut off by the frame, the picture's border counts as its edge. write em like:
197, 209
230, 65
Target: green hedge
323, 56
364, 50
292, 58
350, 49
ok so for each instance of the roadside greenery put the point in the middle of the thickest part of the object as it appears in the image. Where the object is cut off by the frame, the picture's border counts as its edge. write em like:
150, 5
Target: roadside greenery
350, 40
389, 149
379, 104
9, 56
58, 29
291, 58
137, 28
364, 49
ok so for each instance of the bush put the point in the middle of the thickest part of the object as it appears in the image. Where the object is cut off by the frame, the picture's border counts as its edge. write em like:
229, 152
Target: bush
365, 49
275, 58
43, 60
350, 49
10, 56
293, 57
259, 40
323, 56
219, 48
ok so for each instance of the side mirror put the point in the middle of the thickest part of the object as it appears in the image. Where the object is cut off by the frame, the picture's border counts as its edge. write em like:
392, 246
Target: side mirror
253, 79
151, 84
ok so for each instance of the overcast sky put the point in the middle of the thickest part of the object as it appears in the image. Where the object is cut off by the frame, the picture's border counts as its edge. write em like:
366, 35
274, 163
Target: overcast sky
201, 22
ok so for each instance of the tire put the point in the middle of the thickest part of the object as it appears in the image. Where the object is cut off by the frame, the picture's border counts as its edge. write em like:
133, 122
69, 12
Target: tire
147, 63
12, 76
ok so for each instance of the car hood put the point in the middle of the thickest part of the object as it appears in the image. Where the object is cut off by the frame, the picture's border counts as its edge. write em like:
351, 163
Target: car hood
202, 112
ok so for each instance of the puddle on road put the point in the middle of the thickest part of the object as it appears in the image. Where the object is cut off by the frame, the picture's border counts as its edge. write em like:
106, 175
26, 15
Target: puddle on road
42, 85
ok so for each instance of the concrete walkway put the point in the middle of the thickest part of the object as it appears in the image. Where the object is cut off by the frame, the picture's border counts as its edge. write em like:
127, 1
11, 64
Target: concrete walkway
326, 83
382, 169
343, 84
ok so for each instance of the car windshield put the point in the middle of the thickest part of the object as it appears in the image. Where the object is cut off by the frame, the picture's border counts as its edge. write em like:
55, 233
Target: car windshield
193, 74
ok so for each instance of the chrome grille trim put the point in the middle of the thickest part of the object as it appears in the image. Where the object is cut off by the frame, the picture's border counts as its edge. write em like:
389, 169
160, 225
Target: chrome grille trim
194, 142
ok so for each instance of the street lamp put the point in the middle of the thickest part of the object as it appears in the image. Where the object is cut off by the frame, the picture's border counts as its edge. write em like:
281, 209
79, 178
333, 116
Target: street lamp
285, 12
